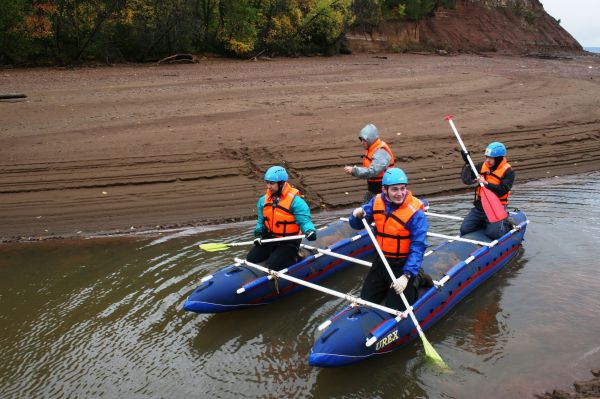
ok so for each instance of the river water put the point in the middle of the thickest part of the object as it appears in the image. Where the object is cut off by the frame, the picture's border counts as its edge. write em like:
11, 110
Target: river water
104, 318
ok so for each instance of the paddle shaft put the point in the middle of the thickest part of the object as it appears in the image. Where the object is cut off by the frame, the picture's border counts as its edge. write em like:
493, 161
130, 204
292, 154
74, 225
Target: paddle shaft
235, 244
462, 146
369, 264
391, 273
336, 255
437, 215
493, 208
443, 216
262, 280
316, 287
454, 238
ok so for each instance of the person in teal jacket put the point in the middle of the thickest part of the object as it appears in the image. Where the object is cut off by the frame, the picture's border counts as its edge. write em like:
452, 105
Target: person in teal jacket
281, 213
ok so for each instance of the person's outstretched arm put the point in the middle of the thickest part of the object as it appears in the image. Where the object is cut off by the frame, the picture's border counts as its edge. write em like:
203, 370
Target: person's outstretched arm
356, 223
381, 160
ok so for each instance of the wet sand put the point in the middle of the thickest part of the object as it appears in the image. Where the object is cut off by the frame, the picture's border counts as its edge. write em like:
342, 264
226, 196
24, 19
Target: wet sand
131, 148
583, 389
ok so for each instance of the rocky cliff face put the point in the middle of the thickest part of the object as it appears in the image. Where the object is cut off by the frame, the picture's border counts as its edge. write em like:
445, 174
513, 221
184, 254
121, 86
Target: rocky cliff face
507, 26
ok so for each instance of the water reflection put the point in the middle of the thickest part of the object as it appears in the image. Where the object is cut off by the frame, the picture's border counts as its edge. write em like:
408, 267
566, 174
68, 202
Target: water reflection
478, 324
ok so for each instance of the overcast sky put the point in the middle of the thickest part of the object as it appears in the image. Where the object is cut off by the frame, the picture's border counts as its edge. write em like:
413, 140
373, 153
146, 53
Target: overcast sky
581, 18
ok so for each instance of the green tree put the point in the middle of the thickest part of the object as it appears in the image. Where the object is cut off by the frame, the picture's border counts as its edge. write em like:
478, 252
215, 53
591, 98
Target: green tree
72, 31
238, 31
325, 23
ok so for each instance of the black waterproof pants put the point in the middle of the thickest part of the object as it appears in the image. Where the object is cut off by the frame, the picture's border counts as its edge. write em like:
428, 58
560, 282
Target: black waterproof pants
476, 219
377, 285
277, 255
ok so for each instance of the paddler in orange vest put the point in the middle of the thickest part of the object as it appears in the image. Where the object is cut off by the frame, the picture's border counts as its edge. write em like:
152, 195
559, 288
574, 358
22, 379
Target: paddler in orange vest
401, 227
378, 157
498, 176
281, 213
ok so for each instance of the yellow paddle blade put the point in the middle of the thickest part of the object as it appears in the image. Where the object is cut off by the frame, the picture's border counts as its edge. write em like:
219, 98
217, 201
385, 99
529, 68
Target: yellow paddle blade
214, 246
431, 353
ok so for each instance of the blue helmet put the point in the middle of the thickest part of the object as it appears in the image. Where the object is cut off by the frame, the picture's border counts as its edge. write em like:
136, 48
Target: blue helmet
276, 174
495, 149
394, 176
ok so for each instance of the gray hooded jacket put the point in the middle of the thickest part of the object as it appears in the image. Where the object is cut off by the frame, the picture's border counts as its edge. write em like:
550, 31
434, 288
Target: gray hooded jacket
381, 158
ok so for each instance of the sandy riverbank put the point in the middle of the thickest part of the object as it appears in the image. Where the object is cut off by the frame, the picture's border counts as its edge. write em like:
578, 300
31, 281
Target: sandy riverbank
107, 149
583, 389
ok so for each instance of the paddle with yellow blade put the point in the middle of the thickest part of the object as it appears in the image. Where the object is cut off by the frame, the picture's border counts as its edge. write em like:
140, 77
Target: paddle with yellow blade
222, 246
430, 352
493, 208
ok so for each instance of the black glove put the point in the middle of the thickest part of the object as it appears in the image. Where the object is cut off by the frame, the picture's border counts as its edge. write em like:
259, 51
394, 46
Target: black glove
464, 155
311, 235
466, 175
258, 241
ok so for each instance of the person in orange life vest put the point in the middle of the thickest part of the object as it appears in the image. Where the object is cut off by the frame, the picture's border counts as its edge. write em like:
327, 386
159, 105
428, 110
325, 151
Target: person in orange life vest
401, 227
378, 157
281, 212
498, 176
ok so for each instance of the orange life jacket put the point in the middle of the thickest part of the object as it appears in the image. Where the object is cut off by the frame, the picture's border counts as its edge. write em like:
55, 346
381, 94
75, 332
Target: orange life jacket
392, 235
368, 158
494, 177
278, 217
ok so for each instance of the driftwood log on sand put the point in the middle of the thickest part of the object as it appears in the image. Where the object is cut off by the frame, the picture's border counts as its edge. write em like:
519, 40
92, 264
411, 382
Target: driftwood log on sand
179, 59
10, 96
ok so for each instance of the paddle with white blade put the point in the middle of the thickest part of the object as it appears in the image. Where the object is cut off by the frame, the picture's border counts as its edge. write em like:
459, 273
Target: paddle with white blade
221, 246
430, 352
493, 208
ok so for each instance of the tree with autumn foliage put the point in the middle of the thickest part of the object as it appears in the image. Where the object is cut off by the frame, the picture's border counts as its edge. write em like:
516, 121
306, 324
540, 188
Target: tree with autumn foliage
75, 31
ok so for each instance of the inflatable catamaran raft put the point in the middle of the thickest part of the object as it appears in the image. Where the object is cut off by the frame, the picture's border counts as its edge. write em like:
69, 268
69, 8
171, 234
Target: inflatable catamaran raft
240, 286
362, 329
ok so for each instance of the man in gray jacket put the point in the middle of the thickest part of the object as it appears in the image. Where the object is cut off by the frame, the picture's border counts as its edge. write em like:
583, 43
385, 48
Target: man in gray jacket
377, 159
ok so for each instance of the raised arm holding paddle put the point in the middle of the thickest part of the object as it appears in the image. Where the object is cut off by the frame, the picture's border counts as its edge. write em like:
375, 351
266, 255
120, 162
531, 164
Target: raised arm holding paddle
495, 178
